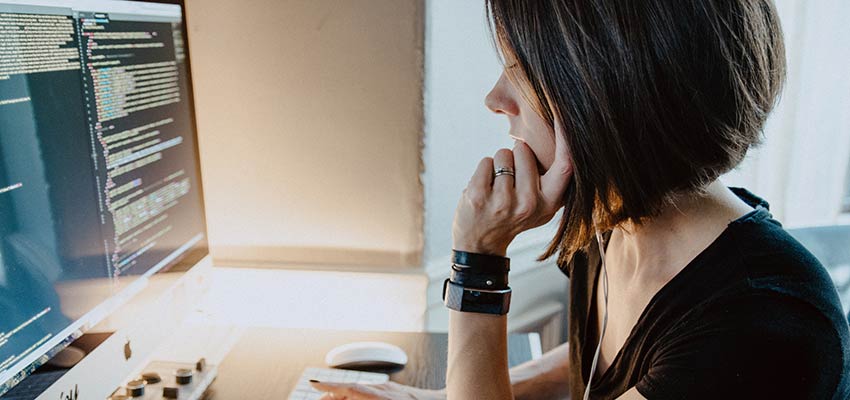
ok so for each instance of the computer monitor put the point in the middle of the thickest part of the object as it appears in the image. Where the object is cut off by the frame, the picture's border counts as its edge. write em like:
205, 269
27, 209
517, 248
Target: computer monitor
100, 182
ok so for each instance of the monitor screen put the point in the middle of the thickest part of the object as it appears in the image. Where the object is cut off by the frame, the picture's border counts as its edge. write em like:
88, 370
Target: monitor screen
99, 179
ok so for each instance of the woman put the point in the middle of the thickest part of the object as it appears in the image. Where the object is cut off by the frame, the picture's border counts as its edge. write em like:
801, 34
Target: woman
625, 115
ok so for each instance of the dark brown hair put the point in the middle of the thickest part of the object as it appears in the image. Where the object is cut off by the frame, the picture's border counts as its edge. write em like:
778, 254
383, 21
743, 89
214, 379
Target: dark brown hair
657, 97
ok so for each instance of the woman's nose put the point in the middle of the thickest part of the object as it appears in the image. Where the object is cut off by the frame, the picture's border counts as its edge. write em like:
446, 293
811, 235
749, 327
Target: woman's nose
500, 100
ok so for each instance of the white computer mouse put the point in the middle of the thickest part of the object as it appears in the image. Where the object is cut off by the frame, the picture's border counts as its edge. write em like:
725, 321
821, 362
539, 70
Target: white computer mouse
366, 355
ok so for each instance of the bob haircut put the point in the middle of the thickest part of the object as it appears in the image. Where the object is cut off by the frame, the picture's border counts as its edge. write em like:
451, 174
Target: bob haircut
657, 98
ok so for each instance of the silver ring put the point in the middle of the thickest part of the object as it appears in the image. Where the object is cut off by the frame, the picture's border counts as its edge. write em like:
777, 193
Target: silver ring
504, 171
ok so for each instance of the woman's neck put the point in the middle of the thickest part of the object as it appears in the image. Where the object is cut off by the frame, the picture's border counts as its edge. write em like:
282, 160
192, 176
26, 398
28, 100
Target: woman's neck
664, 245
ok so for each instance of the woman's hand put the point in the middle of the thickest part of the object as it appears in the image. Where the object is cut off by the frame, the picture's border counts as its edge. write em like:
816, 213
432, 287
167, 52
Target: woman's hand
383, 391
494, 209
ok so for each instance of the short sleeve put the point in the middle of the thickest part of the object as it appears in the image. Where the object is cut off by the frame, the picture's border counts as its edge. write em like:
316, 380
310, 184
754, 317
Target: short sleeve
763, 345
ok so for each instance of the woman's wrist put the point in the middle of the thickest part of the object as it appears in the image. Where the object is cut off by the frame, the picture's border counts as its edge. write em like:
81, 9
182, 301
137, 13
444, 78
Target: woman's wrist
493, 250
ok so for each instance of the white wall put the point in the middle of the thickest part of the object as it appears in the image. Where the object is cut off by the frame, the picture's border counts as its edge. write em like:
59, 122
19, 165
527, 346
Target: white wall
249, 297
801, 167
461, 66
310, 119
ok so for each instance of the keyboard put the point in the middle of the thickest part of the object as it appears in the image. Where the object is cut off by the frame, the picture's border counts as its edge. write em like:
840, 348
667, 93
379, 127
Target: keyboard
303, 390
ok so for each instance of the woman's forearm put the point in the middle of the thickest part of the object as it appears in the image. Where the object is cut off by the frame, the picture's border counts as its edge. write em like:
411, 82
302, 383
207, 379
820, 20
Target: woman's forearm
478, 357
544, 378
478, 365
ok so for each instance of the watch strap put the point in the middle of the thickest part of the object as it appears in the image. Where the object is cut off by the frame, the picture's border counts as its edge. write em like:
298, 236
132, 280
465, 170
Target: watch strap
479, 280
481, 261
459, 298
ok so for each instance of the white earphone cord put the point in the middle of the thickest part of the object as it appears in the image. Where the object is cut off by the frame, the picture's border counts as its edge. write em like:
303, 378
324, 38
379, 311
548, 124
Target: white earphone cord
600, 242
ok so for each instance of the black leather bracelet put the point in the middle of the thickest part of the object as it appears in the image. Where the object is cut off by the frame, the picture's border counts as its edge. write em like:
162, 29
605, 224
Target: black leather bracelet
473, 279
481, 261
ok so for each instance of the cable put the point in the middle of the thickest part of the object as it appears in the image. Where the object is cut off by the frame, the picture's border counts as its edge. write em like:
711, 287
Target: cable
593, 366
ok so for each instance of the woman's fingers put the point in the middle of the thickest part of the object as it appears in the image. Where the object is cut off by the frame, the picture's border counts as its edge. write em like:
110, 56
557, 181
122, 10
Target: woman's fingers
332, 390
325, 386
554, 182
342, 391
379, 391
527, 178
506, 196
503, 185
483, 177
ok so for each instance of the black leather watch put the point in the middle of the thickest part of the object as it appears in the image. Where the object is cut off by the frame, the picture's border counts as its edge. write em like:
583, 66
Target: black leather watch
481, 261
459, 298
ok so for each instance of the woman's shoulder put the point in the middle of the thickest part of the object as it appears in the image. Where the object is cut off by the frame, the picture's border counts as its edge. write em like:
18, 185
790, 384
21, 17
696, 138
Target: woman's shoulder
772, 260
762, 297
783, 301
759, 342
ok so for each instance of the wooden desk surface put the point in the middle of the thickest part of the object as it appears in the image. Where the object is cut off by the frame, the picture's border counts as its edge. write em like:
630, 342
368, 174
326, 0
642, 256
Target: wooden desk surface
266, 363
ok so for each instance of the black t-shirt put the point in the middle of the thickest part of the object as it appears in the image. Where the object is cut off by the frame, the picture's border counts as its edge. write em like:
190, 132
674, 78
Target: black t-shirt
754, 316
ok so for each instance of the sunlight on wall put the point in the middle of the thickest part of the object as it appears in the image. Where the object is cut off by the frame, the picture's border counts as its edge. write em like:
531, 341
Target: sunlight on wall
311, 299
290, 113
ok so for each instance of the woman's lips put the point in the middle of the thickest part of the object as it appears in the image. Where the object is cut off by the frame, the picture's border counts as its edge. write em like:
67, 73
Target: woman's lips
516, 138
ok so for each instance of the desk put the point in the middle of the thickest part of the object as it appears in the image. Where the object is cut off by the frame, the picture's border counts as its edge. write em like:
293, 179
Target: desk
266, 363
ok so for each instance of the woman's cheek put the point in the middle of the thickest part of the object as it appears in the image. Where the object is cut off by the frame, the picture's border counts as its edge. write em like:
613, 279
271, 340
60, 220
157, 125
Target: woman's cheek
544, 158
